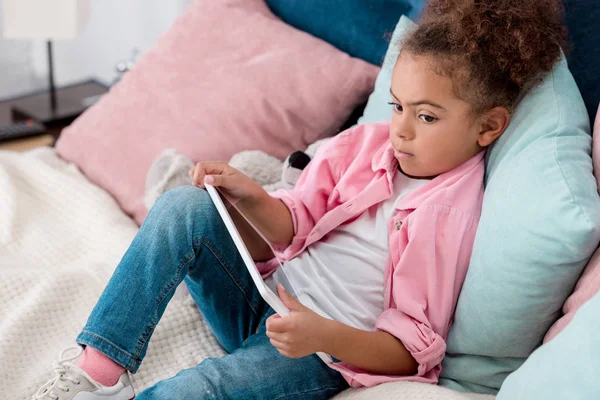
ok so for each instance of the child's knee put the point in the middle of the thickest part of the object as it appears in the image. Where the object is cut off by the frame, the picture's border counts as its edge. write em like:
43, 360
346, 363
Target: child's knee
185, 206
185, 199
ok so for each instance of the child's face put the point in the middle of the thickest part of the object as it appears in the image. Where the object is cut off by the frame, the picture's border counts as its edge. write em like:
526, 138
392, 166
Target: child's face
432, 130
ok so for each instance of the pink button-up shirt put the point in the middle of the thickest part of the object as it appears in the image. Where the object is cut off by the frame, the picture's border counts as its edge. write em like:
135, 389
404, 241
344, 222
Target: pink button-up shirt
430, 237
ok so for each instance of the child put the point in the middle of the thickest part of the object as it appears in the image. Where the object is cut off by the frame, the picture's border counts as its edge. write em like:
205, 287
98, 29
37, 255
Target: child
375, 239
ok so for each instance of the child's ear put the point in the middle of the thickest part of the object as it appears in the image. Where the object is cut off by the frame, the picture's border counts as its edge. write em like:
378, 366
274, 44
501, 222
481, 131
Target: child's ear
493, 124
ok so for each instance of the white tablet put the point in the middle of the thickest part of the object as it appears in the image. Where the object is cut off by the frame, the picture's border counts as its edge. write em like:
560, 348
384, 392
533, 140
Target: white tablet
265, 291
270, 297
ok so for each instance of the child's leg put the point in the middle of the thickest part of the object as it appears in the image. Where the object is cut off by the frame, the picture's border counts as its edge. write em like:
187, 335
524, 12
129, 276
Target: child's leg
254, 371
183, 236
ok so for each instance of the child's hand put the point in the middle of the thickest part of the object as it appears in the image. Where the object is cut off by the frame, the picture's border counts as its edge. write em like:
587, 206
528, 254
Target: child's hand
232, 182
299, 334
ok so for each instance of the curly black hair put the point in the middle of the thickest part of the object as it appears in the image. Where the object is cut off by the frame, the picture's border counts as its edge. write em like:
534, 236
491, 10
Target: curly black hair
492, 49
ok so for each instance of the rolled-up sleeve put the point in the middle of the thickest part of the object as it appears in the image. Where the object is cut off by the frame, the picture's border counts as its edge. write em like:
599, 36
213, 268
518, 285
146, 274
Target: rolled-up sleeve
427, 280
426, 346
434, 252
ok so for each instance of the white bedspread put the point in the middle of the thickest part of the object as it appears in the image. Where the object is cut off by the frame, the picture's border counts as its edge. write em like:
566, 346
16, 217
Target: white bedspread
60, 239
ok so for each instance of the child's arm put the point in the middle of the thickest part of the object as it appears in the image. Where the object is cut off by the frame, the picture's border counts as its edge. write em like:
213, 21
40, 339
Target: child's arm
269, 215
282, 215
305, 332
376, 352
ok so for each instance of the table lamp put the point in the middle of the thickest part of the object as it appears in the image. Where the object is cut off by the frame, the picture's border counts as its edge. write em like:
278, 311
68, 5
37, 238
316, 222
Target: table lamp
45, 20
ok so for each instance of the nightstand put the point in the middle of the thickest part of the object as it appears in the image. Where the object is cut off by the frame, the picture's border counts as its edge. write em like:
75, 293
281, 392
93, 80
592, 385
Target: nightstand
28, 143
69, 98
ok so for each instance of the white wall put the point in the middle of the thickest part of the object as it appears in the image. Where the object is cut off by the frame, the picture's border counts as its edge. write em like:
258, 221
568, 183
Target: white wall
114, 29
16, 70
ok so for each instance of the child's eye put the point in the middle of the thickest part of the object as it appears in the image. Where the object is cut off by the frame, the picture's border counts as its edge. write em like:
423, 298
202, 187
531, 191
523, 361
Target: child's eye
397, 107
427, 118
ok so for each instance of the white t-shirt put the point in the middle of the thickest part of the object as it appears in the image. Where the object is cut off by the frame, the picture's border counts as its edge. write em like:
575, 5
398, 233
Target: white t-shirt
341, 276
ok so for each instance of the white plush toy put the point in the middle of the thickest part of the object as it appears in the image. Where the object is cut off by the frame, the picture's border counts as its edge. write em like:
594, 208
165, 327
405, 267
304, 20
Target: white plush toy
295, 163
168, 171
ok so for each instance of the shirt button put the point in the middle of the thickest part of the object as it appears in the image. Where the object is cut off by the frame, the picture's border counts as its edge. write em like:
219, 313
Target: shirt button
398, 225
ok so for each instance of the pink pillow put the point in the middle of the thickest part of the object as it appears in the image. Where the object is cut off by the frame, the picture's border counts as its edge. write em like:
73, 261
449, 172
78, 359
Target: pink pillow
589, 283
227, 76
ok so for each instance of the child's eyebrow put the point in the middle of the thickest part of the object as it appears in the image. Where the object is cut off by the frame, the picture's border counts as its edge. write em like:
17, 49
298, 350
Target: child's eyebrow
416, 103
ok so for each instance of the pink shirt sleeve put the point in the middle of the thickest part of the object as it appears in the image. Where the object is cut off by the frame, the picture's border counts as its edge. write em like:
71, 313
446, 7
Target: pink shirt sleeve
427, 280
309, 200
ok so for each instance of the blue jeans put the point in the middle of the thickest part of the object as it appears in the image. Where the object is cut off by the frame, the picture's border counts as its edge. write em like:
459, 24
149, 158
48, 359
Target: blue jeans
183, 238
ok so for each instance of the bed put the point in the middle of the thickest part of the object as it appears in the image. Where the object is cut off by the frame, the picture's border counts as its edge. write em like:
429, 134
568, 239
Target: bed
61, 236
64, 225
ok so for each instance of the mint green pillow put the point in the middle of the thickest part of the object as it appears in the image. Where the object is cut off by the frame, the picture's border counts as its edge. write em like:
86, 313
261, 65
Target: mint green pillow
539, 226
377, 108
567, 367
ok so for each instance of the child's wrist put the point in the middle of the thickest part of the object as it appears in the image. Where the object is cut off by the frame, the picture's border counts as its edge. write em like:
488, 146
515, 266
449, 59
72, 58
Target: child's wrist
328, 335
255, 200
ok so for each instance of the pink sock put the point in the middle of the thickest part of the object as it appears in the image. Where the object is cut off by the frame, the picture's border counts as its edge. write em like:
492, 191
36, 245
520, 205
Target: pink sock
99, 367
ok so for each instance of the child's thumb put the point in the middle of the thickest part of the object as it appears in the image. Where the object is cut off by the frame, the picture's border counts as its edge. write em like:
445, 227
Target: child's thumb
290, 302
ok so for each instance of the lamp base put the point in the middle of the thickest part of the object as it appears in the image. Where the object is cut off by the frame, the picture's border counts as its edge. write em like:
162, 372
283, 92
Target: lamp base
71, 101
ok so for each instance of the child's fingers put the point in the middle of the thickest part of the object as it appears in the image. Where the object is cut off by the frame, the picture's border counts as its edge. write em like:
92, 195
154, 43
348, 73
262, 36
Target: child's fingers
198, 176
207, 168
276, 324
279, 346
280, 337
223, 181
214, 167
290, 302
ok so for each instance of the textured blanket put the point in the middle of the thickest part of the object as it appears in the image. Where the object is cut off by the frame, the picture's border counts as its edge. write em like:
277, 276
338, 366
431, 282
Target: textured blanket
60, 239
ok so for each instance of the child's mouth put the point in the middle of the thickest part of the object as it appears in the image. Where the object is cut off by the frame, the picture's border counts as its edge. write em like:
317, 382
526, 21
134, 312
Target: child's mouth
402, 155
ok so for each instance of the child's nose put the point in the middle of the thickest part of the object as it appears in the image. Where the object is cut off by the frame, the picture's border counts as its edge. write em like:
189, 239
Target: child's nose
407, 135
404, 130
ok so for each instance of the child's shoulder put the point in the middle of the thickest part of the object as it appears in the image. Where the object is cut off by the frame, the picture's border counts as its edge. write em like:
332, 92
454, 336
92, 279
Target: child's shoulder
355, 146
366, 138
377, 131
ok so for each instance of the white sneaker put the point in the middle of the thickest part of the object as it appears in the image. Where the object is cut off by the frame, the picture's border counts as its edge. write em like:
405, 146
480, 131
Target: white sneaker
72, 383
